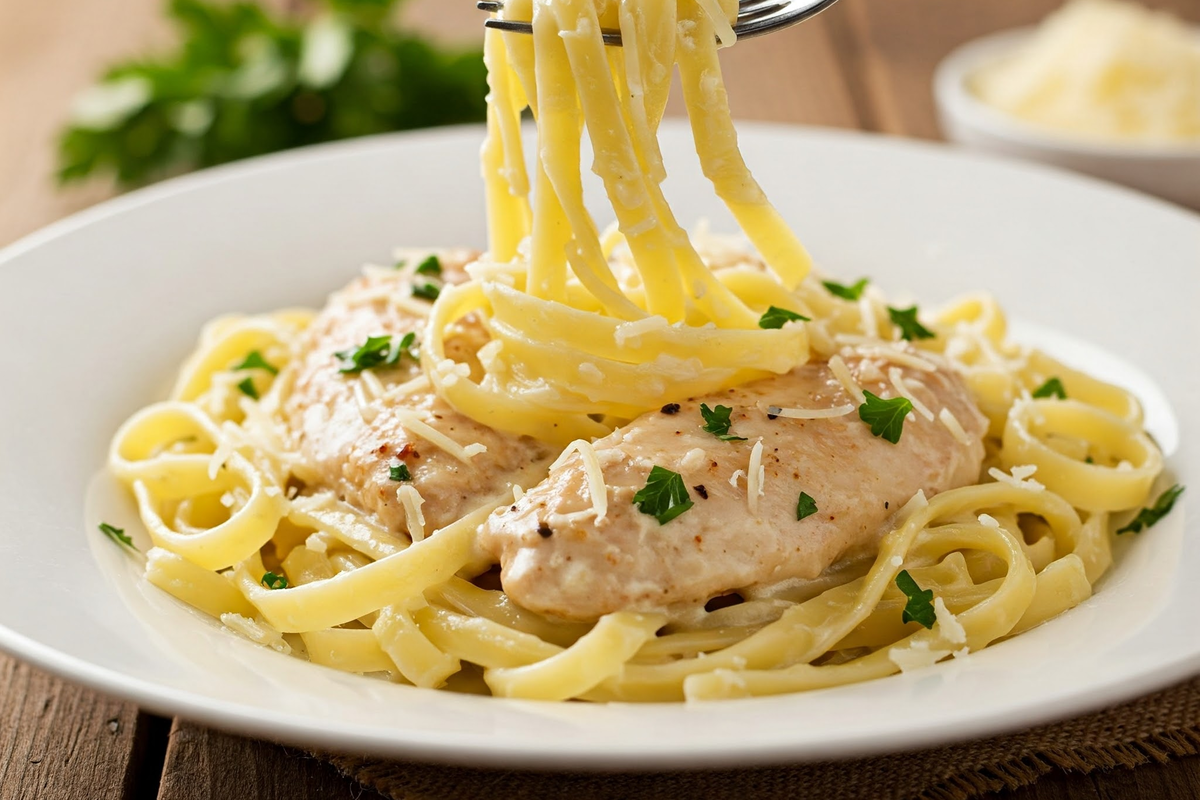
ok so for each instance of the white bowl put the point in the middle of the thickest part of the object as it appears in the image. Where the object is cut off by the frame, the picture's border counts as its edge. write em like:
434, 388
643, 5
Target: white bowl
1170, 171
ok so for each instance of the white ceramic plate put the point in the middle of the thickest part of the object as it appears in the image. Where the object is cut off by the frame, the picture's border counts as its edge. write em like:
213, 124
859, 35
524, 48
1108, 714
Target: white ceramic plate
96, 311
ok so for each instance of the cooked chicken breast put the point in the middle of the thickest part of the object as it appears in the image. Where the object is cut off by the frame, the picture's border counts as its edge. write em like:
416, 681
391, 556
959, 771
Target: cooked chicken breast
351, 445
558, 558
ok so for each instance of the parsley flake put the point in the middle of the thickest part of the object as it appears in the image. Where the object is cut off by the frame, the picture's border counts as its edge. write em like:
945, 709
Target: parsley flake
1152, 514
906, 320
255, 360
776, 317
852, 292
664, 497
400, 264
1053, 387
399, 472
118, 535
430, 266
919, 607
247, 387
273, 581
717, 422
378, 351
806, 507
426, 291
886, 417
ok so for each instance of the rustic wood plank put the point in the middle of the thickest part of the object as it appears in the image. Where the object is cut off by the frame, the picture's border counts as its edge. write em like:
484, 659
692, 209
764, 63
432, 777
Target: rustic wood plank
63, 742
203, 764
890, 49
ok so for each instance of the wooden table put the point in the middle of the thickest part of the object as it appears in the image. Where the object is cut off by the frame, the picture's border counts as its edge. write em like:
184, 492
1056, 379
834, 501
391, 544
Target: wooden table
863, 64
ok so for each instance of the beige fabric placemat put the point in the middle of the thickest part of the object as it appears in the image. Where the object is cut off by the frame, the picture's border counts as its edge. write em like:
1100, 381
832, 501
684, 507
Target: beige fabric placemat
1152, 728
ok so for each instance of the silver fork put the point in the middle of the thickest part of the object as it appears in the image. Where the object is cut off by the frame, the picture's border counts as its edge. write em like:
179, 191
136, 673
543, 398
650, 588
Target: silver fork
755, 17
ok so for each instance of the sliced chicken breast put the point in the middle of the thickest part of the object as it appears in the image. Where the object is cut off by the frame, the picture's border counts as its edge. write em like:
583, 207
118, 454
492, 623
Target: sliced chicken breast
351, 439
559, 558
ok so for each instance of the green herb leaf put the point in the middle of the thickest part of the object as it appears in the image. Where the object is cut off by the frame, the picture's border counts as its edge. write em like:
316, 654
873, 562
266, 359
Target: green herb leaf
248, 389
664, 497
399, 472
906, 320
806, 507
430, 266
1148, 516
256, 361
717, 422
401, 264
118, 535
426, 291
852, 292
919, 607
378, 351
775, 317
886, 417
1053, 387
273, 581
245, 80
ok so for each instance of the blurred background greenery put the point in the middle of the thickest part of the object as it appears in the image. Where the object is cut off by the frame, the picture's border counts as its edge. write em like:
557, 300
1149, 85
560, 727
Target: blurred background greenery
245, 80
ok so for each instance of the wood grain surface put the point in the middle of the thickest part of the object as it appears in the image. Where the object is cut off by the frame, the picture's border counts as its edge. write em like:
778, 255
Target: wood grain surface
863, 64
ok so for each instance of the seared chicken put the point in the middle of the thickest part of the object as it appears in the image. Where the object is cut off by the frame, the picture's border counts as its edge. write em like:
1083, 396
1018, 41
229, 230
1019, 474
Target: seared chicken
558, 558
352, 446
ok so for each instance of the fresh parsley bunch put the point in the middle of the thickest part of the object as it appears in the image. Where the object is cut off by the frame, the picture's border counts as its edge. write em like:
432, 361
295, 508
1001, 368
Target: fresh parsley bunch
245, 82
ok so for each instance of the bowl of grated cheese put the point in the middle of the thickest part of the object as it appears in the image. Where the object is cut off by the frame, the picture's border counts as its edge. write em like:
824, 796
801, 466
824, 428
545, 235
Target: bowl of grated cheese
1103, 87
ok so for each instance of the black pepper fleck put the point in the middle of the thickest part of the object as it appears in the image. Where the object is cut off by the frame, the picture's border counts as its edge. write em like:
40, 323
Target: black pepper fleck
671, 408
700, 490
886, 504
544, 530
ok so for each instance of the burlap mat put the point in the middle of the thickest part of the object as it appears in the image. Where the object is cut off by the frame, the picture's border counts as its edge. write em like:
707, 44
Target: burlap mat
1153, 728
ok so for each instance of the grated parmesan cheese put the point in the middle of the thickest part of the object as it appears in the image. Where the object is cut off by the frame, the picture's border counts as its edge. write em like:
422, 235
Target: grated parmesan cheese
414, 424
897, 561
954, 426
810, 413
256, 631
1018, 477
898, 356
591, 470
755, 477
988, 521
317, 542
917, 655
951, 629
417, 384
735, 477
840, 371
366, 410
405, 302
627, 331
412, 501
905, 391
372, 386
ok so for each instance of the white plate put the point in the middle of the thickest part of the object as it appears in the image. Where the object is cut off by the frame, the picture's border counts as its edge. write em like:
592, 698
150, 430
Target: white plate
96, 311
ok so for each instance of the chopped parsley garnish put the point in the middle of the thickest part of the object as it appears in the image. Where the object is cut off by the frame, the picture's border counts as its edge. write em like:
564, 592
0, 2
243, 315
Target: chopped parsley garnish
906, 320
1152, 514
886, 417
776, 317
247, 387
852, 292
399, 472
256, 361
401, 263
273, 581
664, 497
919, 607
118, 535
426, 291
430, 266
1053, 387
717, 422
806, 507
378, 351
